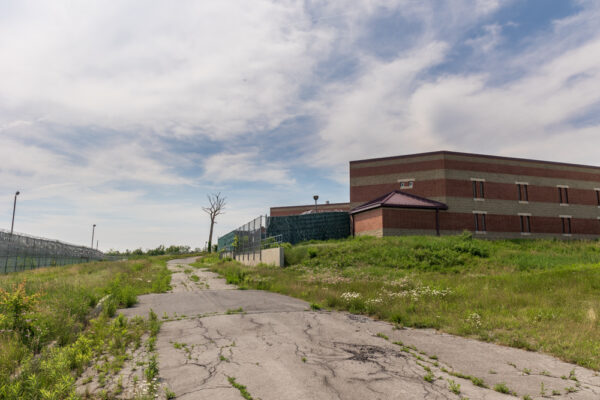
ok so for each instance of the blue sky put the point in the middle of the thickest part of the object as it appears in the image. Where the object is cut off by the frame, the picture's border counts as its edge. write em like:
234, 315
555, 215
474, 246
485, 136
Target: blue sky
127, 114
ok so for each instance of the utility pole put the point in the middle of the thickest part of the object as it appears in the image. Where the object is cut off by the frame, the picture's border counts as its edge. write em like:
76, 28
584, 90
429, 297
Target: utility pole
93, 230
12, 225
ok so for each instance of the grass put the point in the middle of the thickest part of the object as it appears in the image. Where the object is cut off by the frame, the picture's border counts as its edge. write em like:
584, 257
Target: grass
47, 333
241, 388
502, 388
538, 295
453, 386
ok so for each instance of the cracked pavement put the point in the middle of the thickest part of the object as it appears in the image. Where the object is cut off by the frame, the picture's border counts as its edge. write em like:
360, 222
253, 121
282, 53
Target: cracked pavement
280, 349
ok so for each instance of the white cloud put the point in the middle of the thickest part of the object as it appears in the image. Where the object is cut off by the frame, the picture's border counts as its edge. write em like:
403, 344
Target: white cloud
491, 37
247, 167
215, 68
390, 109
372, 115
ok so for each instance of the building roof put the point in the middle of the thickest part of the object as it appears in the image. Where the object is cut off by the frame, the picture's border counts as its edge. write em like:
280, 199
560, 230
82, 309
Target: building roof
456, 153
400, 199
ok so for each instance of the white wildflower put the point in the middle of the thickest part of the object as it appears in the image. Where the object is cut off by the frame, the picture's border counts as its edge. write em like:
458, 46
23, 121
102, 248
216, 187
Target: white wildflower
350, 295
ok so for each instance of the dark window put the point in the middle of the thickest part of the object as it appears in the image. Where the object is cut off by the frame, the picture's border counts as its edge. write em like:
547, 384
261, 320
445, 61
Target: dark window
406, 185
560, 198
478, 192
525, 223
598, 197
480, 225
563, 195
522, 189
566, 225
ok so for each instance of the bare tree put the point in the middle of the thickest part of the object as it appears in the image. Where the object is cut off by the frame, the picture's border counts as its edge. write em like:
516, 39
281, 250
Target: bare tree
217, 204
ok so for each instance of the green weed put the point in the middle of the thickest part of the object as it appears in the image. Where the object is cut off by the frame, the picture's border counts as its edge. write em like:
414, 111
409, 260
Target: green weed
502, 388
453, 386
241, 388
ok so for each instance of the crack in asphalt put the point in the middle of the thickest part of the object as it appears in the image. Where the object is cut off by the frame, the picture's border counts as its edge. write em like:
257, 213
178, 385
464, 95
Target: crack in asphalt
298, 354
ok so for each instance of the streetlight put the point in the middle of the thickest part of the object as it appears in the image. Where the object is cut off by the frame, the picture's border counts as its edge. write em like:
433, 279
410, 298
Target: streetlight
14, 208
93, 229
316, 197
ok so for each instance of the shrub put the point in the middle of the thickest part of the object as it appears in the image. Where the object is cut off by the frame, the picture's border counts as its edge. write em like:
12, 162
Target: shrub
16, 309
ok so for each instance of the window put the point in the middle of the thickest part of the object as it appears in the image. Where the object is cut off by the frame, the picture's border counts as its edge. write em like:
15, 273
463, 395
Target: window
406, 183
566, 224
478, 191
597, 197
563, 194
525, 223
480, 223
523, 192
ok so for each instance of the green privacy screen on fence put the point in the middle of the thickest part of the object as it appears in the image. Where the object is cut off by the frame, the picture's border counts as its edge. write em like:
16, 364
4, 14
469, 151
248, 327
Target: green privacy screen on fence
291, 229
226, 241
320, 226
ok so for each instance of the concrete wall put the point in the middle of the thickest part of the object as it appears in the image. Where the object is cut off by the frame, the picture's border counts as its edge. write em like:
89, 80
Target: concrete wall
267, 256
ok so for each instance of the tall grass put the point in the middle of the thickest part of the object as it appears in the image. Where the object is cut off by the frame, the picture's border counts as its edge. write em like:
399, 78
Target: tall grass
57, 308
534, 294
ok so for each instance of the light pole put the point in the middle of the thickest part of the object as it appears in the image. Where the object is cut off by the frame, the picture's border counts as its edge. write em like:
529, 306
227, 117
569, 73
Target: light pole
14, 208
316, 197
93, 230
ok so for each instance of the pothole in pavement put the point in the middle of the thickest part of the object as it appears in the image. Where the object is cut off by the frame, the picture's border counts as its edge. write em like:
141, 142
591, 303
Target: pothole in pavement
367, 353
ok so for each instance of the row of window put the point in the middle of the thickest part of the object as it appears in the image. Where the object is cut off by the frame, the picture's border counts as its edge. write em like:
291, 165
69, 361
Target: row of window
525, 221
523, 192
478, 186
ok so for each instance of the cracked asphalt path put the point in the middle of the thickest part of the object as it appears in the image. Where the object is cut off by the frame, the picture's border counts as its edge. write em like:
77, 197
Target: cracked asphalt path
279, 349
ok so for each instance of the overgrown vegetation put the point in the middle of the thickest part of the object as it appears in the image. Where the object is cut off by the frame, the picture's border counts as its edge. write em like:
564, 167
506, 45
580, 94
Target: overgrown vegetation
537, 295
47, 336
158, 251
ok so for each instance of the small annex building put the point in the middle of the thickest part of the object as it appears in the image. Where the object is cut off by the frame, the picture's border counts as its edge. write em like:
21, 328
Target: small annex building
389, 214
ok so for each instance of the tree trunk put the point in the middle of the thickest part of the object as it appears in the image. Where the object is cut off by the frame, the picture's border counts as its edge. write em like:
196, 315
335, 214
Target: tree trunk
212, 224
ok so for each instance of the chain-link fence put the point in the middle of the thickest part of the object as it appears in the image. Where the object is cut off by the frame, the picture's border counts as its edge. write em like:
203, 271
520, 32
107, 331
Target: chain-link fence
20, 252
264, 231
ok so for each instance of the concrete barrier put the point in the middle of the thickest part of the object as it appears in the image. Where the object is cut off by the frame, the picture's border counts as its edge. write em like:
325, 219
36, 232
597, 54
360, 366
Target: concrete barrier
272, 256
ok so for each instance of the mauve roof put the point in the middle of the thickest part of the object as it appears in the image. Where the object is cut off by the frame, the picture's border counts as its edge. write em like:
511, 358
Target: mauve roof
399, 199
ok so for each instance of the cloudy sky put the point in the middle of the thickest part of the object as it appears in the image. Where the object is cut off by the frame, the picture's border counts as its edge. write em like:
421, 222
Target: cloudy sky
126, 114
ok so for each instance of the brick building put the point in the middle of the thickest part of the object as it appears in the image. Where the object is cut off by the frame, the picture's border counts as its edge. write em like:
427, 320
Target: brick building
491, 196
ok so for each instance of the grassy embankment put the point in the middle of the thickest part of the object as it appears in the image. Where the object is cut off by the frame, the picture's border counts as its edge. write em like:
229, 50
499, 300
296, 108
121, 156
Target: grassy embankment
540, 295
47, 336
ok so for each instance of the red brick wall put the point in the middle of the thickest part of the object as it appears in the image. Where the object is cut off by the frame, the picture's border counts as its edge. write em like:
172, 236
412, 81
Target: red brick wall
430, 188
557, 171
399, 218
368, 221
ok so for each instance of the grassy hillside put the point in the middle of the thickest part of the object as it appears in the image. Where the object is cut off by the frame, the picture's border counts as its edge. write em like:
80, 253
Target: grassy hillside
47, 336
541, 295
